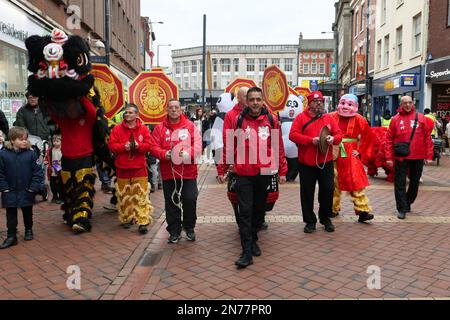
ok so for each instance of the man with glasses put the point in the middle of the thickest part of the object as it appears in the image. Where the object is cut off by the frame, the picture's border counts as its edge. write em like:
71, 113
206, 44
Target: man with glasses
421, 151
315, 166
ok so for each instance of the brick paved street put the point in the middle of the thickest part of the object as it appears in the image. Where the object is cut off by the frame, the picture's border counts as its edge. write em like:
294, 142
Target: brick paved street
413, 255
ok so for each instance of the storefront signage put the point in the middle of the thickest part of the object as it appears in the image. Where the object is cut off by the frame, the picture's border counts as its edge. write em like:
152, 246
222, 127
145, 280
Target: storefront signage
408, 80
16, 25
438, 71
10, 30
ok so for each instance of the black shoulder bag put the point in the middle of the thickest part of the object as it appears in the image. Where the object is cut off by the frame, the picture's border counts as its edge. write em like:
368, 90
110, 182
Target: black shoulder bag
402, 149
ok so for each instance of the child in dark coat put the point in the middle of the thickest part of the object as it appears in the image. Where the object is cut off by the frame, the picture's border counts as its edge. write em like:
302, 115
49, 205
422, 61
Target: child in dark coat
20, 179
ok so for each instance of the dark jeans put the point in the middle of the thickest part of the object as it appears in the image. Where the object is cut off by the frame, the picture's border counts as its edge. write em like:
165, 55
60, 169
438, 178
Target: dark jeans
189, 196
292, 169
308, 178
56, 187
404, 198
11, 219
252, 195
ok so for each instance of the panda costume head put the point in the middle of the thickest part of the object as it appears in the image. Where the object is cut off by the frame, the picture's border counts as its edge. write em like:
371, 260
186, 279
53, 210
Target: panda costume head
226, 102
293, 108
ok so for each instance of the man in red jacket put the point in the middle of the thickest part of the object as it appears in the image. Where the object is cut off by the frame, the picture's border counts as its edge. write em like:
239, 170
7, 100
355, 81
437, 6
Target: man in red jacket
314, 166
130, 141
177, 143
421, 150
257, 155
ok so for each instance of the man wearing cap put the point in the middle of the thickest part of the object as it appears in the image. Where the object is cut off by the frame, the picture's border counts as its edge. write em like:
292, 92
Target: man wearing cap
315, 166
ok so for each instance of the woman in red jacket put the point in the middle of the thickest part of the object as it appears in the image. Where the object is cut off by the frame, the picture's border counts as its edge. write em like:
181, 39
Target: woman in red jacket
177, 143
129, 142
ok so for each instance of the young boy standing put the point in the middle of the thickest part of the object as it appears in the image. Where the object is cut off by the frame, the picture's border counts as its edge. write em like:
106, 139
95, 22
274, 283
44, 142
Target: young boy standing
20, 180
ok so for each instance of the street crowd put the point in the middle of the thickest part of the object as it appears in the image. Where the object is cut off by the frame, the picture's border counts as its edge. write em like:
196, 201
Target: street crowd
251, 159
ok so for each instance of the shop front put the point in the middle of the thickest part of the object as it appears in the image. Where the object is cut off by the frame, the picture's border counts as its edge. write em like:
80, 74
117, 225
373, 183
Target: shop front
438, 80
15, 26
388, 91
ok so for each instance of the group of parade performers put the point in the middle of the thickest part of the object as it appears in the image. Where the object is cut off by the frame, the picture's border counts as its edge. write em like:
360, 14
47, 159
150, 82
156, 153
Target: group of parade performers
60, 68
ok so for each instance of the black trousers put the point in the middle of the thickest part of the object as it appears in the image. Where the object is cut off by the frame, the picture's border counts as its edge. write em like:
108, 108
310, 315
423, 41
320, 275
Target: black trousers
404, 198
292, 169
11, 219
309, 176
189, 196
252, 195
56, 187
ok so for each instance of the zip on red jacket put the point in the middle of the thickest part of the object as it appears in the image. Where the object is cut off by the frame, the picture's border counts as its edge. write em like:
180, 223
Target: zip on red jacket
400, 130
308, 153
120, 135
182, 136
253, 151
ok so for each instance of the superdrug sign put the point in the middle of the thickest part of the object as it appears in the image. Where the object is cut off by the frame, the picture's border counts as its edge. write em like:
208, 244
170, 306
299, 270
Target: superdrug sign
438, 71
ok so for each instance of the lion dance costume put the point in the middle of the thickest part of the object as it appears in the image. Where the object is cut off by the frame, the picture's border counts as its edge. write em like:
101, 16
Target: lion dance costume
60, 69
349, 171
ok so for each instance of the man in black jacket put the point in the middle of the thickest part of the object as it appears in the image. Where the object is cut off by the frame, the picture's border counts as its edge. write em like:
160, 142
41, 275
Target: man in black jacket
31, 117
4, 126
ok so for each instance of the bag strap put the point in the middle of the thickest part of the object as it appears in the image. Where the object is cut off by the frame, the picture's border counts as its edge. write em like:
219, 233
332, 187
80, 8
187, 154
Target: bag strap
311, 121
246, 110
414, 128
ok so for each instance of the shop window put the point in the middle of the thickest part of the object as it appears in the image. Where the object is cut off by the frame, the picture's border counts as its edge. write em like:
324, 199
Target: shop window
13, 80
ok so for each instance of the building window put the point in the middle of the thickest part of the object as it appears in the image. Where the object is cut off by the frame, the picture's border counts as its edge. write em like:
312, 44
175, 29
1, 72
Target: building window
448, 14
194, 66
214, 63
322, 56
226, 65
277, 61
186, 67
178, 68
399, 44
201, 67
306, 68
313, 68
306, 56
379, 55
383, 12
356, 23
288, 65
386, 51
417, 33
314, 56
250, 65
322, 68
186, 83
262, 65
236, 65
362, 19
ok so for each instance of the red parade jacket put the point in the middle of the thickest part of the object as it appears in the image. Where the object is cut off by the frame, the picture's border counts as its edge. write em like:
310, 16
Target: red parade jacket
308, 153
400, 131
120, 135
182, 136
253, 152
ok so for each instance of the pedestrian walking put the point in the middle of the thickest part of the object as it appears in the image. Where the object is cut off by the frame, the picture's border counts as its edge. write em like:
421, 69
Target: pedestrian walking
130, 141
409, 146
177, 143
259, 138
315, 166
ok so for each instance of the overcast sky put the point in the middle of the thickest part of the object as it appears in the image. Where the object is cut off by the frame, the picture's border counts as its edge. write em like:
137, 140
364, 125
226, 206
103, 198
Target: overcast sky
236, 22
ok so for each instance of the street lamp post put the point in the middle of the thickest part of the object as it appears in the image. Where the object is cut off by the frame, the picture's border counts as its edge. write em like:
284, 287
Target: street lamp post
161, 45
367, 57
336, 60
